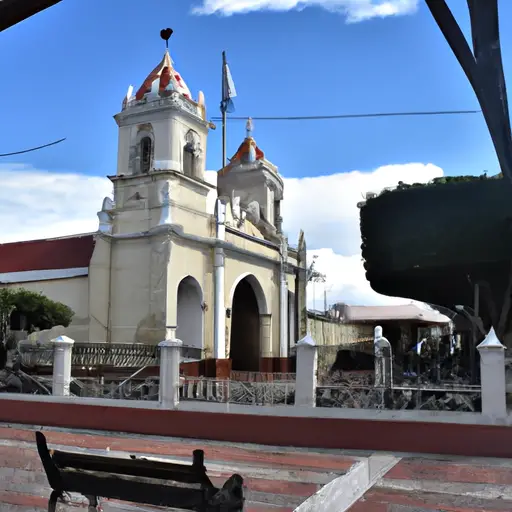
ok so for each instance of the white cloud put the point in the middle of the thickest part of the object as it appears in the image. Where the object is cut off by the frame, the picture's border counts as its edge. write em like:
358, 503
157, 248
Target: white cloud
332, 218
354, 10
38, 204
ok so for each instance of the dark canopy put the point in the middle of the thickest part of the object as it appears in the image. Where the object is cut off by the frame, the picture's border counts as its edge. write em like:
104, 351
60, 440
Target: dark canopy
433, 243
14, 11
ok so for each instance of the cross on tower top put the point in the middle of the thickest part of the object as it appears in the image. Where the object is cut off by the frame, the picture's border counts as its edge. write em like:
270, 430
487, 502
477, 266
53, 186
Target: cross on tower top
166, 34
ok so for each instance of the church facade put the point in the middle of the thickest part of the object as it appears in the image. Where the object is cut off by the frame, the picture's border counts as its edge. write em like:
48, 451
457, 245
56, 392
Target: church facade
175, 255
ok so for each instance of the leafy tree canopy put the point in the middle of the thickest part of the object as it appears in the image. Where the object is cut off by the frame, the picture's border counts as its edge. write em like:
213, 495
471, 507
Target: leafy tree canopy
39, 311
443, 180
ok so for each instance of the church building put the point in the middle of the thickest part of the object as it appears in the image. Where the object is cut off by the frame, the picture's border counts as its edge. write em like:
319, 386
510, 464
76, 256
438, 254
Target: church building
176, 256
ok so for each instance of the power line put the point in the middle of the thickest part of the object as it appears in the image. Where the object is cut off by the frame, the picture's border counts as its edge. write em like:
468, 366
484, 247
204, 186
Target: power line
33, 149
353, 116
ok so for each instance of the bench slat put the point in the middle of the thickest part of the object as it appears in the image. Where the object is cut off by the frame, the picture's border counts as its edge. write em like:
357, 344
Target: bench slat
136, 492
138, 467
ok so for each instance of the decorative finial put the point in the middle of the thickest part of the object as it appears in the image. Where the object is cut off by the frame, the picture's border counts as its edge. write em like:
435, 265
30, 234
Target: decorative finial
166, 34
249, 127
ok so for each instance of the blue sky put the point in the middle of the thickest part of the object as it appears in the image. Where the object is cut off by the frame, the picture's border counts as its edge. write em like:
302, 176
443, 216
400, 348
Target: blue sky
67, 71
70, 66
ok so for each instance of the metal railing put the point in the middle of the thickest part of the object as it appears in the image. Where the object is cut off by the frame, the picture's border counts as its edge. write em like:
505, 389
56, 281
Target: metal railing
261, 376
92, 355
237, 392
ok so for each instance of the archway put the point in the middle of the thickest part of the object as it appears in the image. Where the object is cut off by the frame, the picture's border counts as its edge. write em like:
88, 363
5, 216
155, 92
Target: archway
190, 317
248, 304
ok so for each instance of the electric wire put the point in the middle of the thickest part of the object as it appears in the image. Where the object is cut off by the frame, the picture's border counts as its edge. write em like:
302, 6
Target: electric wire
351, 116
293, 118
33, 149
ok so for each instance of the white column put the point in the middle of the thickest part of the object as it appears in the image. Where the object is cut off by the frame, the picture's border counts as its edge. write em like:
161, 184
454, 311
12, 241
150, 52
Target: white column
305, 380
170, 356
492, 374
219, 338
62, 350
283, 303
283, 315
266, 336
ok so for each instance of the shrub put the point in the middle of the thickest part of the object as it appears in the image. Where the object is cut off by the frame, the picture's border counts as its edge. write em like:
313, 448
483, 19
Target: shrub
39, 311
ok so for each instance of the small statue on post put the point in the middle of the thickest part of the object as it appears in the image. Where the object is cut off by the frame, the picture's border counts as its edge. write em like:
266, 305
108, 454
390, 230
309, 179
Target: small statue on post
383, 366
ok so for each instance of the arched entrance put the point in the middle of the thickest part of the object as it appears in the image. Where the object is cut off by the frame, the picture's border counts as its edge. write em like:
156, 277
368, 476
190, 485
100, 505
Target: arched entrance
190, 317
248, 304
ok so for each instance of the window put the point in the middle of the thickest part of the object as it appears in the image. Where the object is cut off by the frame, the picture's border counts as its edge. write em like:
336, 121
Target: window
145, 154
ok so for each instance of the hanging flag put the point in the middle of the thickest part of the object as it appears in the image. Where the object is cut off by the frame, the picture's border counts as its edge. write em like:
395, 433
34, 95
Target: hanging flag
228, 88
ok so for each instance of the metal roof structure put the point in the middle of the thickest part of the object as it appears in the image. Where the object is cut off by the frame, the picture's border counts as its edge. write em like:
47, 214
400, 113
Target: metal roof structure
15, 11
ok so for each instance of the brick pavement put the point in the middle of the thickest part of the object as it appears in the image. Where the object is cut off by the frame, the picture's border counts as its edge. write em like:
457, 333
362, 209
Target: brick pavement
276, 479
443, 484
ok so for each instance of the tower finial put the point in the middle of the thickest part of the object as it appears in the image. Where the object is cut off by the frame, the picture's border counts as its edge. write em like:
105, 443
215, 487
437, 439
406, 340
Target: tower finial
166, 34
249, 127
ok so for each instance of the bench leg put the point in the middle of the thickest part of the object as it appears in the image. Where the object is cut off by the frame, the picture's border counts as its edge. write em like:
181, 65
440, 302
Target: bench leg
94, 504
52, 502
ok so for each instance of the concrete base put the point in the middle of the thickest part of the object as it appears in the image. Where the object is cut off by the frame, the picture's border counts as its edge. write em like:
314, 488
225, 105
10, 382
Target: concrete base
221, 368
211, 368
218, 368
277, 365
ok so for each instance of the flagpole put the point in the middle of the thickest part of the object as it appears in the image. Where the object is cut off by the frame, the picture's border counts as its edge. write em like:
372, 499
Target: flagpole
223, 109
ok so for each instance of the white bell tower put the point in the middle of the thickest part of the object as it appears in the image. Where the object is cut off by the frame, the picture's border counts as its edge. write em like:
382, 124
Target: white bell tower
161, 151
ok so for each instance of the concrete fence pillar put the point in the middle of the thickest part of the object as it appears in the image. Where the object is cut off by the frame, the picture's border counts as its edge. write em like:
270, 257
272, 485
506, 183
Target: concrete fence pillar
306, 375
170, 356
492, 374
62, 351
383, 359
383, 366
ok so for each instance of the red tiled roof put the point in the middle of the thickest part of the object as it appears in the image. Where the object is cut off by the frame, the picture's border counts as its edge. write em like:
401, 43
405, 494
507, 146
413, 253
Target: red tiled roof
49, 254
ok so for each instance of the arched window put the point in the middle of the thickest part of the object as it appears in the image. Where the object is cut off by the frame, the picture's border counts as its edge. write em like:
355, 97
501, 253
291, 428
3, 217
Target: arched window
145, 154
188, 160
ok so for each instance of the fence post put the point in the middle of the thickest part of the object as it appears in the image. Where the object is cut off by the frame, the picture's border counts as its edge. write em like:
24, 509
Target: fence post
492, 374
62, 350
169, 390
305, 380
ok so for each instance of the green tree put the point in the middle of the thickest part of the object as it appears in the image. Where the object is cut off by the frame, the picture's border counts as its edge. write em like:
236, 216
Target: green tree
39, 311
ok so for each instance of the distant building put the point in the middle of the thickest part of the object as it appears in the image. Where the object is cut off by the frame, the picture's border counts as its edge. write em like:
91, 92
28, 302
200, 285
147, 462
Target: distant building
343, 324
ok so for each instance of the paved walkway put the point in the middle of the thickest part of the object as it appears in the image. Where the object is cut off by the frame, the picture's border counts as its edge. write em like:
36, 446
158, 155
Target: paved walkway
277, 479
447, 484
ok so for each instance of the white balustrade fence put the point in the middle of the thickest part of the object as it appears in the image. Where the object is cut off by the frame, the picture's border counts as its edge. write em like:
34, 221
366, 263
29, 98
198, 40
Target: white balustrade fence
304, 391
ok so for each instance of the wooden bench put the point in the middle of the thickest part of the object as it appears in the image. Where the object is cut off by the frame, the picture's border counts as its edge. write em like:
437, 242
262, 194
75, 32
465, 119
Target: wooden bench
137, 480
